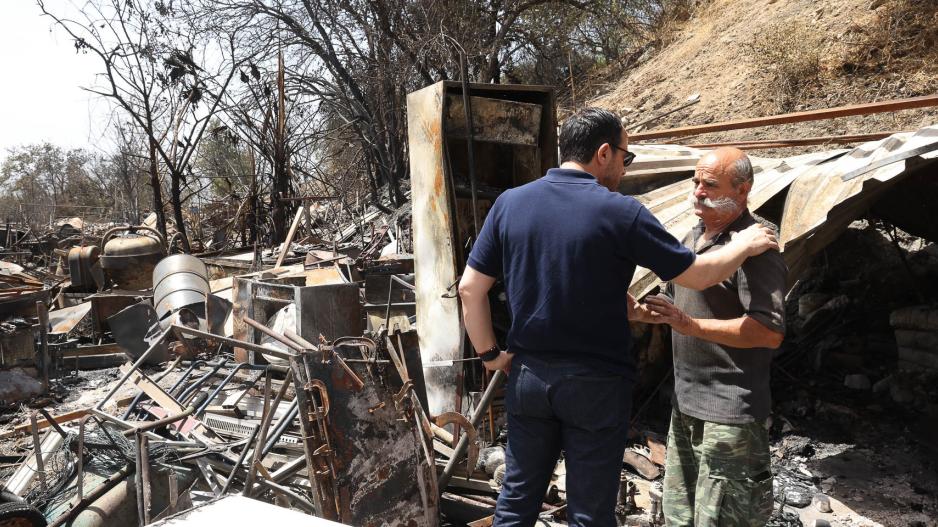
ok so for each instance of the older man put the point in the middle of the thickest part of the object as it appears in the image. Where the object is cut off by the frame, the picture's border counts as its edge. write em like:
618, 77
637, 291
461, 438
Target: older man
567, 246
717, 470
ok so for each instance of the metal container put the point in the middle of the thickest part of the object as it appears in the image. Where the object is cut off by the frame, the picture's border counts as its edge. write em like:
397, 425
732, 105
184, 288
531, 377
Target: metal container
129, 260
80, 263
179, 280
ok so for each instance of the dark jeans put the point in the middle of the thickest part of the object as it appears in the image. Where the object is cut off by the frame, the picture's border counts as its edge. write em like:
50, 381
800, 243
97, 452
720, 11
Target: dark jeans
554, 406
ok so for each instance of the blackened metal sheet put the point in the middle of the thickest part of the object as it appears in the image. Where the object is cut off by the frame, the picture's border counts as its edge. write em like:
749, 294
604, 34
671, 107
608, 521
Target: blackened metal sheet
381, 472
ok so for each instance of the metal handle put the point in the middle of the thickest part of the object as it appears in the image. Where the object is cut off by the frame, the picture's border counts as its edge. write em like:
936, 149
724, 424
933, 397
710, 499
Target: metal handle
132, 229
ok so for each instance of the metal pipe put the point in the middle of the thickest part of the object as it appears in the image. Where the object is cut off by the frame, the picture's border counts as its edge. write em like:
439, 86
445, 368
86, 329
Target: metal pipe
146, 490
307, 345
272, 334
244, 453
497, 379
139, 397
42, 313
281, 427
52, 423
138, 478
470, 151
226, 380
37, 449
797, 117
99, 491
387, 309
81, 458
168, 420
288, 469
200, 381
265, 426
412, 287
136, 365
235, 342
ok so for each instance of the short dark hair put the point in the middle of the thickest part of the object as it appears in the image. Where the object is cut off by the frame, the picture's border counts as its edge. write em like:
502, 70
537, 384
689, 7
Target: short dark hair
585, 131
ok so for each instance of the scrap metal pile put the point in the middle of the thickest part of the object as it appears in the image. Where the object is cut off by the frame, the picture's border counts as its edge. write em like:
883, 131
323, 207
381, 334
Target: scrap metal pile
301, 385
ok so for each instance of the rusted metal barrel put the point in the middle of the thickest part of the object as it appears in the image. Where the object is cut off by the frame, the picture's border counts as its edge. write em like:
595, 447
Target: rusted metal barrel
128, 260
80, 261
179, 280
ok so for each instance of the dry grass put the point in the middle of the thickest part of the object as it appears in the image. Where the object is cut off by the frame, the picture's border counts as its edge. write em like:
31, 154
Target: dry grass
673, 19
904, 35
791, 53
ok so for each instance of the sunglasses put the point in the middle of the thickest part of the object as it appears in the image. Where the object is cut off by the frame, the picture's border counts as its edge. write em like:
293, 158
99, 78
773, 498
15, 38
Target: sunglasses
629, 156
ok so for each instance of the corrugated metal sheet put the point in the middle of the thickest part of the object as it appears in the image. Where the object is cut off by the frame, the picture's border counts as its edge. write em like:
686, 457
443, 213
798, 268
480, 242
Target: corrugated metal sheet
820, 205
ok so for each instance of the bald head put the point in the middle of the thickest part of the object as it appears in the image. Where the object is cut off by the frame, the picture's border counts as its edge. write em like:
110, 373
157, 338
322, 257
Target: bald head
722, 181
731, 162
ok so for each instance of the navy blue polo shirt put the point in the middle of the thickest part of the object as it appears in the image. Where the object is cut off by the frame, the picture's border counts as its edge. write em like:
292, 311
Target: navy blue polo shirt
567, 248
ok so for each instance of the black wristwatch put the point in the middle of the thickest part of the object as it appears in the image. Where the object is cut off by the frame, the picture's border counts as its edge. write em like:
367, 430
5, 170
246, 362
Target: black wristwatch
490, 354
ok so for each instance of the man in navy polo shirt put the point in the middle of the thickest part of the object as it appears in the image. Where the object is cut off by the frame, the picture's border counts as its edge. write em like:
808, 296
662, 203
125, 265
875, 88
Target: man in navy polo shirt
566, 246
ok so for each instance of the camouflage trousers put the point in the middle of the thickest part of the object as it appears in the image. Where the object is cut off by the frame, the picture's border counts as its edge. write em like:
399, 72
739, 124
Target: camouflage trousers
716, 474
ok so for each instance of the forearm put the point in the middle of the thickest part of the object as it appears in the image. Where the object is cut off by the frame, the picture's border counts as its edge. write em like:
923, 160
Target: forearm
713, 267
743, 332
477, 317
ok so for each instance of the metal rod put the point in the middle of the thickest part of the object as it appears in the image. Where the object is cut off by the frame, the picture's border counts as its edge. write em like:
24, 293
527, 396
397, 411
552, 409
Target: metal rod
403, 283
797, 117
42, 313
173, 491
272, 334
497, 379
146, 490
288, 469
138, 479
168, 420
387, 310
807, 141
307, 345
281, 427
244, 453
81, 458
470, 151
235, 342
200, 381
265, 423
227, 379
52, 423
139, 397
37, 447
265, 426
133, 368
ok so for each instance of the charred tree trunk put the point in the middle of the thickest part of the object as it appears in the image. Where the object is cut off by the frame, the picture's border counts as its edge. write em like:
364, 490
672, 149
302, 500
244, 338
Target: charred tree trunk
278, 211
157, 191
281, 162
176, 200
251, 219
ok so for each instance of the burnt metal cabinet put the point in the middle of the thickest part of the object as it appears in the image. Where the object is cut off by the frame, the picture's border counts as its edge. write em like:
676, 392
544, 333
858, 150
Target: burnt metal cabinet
514, 141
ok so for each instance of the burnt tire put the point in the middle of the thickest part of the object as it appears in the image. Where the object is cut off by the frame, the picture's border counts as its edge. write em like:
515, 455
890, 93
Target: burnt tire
20, 515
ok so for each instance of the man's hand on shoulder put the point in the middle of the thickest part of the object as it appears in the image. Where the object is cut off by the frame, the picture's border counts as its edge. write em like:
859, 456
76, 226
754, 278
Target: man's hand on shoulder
757, 239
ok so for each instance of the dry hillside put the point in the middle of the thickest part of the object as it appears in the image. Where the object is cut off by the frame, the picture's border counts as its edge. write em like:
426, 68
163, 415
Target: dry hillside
749, 58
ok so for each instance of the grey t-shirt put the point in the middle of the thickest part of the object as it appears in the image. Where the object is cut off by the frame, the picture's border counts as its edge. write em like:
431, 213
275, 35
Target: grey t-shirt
720, 383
